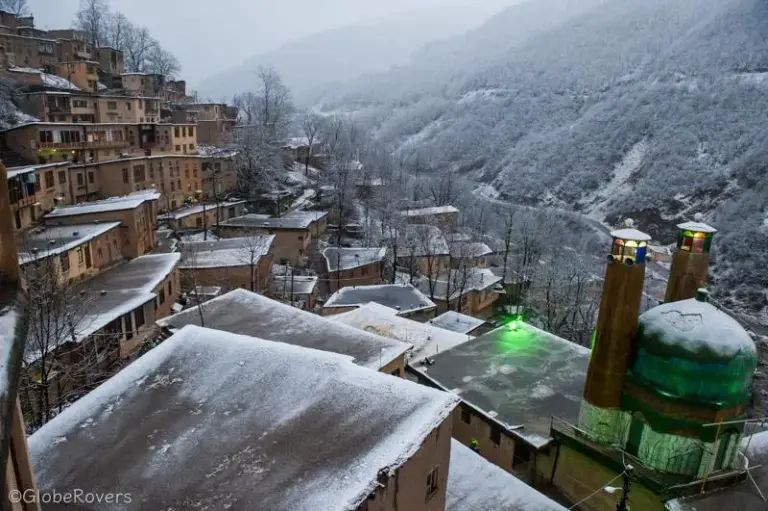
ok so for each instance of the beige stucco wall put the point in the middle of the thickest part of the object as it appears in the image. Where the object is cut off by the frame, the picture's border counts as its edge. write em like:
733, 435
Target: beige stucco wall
229, 277
287, 246
406, 490
363, 276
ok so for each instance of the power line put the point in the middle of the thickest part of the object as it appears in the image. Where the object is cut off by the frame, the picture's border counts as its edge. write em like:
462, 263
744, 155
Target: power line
597, 491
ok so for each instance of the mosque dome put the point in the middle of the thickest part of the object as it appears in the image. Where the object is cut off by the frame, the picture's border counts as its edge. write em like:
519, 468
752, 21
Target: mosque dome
692, 351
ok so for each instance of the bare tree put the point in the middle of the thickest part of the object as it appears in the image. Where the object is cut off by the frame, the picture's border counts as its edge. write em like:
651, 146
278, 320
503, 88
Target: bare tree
162, 62
139, 45
92, 18
16, 7
267, 113
310, 125
254, 248
118, 26
60, 364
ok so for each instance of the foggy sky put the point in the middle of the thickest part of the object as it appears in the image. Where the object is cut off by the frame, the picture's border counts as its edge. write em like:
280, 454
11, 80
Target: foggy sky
208, 36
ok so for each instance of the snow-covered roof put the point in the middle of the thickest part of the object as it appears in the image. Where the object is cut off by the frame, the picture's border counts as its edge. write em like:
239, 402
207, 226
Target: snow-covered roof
403, 298
26, 169
470, 250
199, 208
43, 242
427, 340
458, 282
630, 234
47, 80
457, 322
476, 484
696, 227
435, 210
349, 258
214, 419
228, 252
282, 285
112, 204
247, 313
293, 220
695, 328
210, 151
520, 378
114, 293
207, 291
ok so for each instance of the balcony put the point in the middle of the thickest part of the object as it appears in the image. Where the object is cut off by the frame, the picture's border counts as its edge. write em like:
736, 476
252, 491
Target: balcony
23, 203
96, 144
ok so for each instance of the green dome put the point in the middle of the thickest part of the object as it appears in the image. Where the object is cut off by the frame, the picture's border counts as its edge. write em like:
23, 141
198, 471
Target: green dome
691, 350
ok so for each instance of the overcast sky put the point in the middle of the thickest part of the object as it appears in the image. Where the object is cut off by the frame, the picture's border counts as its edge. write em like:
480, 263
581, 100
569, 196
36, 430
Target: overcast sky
208, 36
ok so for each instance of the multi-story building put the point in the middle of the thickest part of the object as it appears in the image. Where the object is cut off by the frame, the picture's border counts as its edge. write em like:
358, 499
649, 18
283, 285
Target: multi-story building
86, 143
111, 61
136, 212
74, 107
73, 252
24, 51
144, 84
34, 190
83, 73
219, 171
354, 266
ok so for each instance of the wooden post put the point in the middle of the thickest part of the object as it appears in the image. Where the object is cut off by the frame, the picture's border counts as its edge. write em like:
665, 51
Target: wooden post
688, 273
14, 456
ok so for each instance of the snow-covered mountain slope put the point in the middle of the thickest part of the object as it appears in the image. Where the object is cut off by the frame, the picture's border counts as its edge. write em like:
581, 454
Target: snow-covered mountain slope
654, 110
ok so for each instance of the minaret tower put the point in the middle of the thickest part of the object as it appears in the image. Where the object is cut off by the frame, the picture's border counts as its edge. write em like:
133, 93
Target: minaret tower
614, 344
690, 264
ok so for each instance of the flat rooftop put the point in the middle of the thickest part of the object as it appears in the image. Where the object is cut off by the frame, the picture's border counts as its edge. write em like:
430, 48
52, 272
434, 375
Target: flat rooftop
427, 340
122, 203
191, 434
401, 297
199, 208
457, 322
459, 282
521, 378
475, 484
298, 285
247, 313
223, 253
43, 242
296, 220
26, 169
350, 258
112, 294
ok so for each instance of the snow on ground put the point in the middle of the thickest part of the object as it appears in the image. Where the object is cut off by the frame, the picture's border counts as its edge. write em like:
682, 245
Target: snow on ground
487, 192
597, 201
304, 200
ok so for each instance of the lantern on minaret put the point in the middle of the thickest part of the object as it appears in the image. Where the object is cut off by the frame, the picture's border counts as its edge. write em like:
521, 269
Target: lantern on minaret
614, 343
690, 263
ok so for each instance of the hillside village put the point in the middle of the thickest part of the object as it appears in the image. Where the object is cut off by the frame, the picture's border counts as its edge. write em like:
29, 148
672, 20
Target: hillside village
244, 306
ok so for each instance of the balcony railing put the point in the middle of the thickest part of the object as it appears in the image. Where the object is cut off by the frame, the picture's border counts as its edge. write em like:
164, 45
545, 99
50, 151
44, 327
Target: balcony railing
26, 201
96, 144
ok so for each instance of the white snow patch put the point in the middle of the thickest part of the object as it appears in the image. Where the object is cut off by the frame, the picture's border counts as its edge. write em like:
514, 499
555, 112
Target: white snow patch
628, 165
541, 391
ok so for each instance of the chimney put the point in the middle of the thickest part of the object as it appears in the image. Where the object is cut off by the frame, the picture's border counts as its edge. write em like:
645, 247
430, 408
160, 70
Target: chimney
690, 263
614, 341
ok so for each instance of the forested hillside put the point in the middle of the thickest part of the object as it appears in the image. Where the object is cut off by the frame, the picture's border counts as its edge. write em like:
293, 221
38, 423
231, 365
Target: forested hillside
654, 110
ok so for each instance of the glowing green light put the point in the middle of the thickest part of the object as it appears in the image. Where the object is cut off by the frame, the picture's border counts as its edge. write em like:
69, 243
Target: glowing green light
515, 323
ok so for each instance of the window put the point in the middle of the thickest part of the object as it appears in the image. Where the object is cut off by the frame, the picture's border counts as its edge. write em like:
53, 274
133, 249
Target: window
432, 480
111, 105
49, 182
365, 271
128, 105
64, 260
170, 288
183, 131
125, 176
186, 172
191, 131
199, 221
46, 136
80, 179
191, 147
138, 315
62, 177
161, 296
176, 131
466, 415
178, 148
194, 171
79, 103
139, 173
301, 238
173, 189
91, 178
80, 256
496, 434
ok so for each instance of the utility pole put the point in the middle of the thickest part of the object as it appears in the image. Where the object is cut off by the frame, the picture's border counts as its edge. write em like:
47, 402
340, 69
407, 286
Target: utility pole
622, 504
